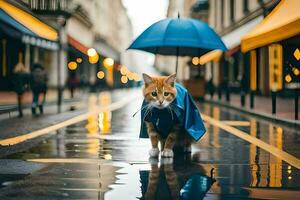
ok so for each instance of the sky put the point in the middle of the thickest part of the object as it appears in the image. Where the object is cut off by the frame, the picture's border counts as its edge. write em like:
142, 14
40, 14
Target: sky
144, 13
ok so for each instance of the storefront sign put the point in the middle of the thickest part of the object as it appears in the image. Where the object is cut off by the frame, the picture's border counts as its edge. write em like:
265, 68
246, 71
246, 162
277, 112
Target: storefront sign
275, 67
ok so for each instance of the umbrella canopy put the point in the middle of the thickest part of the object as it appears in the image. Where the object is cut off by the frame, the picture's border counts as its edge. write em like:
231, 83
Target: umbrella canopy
180, 37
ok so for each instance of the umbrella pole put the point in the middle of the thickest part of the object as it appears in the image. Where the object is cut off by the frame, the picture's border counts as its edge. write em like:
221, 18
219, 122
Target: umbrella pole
177, 52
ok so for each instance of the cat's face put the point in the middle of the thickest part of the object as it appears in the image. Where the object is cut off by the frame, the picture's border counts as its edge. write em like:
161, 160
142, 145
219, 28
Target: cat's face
159, 91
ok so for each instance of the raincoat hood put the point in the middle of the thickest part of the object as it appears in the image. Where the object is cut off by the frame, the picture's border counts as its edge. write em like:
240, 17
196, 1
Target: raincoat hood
182, 111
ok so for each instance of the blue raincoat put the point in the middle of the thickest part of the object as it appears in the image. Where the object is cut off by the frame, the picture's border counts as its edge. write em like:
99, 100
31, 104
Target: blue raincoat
182, 111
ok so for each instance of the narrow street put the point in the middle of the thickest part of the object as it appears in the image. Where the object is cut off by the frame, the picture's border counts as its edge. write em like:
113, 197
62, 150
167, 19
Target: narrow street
102, 157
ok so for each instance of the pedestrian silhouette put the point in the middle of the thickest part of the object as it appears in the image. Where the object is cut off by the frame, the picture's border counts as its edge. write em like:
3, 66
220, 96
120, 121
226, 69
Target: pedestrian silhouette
73, 83
38, 87
20, 80
210, 87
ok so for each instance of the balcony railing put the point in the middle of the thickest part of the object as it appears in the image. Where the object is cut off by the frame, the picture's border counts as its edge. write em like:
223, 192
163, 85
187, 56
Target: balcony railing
51, 7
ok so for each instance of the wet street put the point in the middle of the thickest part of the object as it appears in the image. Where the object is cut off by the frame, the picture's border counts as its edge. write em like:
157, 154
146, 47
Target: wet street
103, 158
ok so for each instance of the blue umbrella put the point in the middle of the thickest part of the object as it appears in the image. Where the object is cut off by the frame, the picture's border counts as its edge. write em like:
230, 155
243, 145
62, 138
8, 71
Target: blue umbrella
180, 37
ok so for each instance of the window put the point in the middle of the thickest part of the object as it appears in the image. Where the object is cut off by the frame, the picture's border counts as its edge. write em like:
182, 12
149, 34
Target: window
232, 9
245, 6
222, 13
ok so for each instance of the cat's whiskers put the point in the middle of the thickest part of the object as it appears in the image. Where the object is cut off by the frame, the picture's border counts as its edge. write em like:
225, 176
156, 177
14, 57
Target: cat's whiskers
142, 108
148, 110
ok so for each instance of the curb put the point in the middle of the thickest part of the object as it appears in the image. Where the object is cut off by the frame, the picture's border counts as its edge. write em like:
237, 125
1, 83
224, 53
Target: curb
268, 117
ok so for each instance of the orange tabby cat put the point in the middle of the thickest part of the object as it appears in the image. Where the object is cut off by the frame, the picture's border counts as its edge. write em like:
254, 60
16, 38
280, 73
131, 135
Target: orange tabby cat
160, 92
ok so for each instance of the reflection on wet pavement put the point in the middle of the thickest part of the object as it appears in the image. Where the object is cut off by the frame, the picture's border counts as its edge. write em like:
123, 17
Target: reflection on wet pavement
102, 158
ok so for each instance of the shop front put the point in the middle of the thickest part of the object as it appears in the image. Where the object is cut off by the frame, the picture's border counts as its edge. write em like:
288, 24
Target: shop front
274, 47
24, 38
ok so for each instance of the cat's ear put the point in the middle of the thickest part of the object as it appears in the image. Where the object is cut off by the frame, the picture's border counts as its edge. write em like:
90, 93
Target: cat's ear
171, 79
147, 79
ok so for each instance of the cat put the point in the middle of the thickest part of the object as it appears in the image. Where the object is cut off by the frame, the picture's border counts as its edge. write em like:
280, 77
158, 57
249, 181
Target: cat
178, 179
159, 92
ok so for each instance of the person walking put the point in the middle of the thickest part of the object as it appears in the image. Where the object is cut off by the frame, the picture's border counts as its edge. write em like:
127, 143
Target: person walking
20, 81
38, 87
211, 88
73, 83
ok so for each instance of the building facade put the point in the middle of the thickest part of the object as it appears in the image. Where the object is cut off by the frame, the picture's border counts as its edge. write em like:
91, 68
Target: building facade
166, 64
102, 25
232, 19
192, 76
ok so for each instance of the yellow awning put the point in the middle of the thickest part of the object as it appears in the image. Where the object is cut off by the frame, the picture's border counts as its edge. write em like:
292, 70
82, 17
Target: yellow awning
214, 55
282, 23
31, 22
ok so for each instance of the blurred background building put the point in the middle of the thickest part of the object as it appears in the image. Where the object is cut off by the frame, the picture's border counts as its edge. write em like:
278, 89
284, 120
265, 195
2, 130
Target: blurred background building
265, 66
192, 76
58, 34
268, 66
232, 20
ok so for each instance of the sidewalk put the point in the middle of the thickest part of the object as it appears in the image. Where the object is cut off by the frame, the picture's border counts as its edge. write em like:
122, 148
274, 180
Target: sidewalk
9, 97
262, 107
9, 107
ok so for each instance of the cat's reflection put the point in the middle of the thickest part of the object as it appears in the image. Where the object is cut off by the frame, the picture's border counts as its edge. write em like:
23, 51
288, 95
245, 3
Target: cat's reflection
180, 179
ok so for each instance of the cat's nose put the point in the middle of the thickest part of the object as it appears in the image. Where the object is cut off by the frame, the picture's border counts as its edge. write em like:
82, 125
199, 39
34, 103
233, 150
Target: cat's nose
161, 102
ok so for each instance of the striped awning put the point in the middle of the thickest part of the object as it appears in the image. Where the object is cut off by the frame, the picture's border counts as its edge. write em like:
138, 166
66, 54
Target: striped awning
77, 45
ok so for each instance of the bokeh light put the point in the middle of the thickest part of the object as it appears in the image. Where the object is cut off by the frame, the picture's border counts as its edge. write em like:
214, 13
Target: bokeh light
108, 62
124, 79
94, 59
79, 60
130, 76
288, 78
195, 61
296, 71
100, 74
72, 65
91, 52
124, 70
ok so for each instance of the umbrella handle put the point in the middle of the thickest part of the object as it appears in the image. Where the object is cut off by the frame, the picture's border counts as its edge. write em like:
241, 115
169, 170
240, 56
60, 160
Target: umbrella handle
177, 52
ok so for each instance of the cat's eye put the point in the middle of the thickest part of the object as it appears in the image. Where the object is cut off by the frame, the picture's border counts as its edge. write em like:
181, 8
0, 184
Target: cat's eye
166, 94
154, 94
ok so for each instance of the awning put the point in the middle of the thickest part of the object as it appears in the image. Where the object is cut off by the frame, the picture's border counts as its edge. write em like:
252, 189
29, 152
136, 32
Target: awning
282, 23
233, 39
214, 55
10, 26
34, 31
77, 45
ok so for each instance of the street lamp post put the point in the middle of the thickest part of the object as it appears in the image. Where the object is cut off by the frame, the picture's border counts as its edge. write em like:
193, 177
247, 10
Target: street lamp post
60, 53
60, 10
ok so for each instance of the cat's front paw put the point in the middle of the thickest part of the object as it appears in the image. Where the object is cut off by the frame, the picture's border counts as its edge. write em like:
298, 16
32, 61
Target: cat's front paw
167, 153
154, 152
